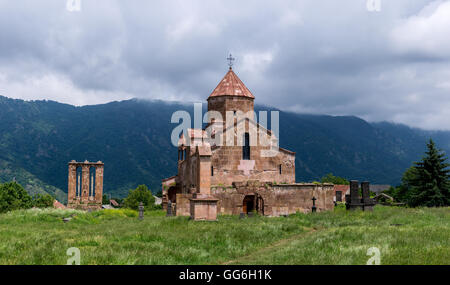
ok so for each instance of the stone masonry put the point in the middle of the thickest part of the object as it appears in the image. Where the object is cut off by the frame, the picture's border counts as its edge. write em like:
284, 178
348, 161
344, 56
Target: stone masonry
225, 168
85, 190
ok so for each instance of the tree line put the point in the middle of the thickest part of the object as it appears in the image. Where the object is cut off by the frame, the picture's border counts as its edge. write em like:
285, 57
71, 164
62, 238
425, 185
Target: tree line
425, 183
14, 197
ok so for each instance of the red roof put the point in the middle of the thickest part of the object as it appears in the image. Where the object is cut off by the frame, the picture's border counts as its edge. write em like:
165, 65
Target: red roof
58, 205
343, 188
231, 85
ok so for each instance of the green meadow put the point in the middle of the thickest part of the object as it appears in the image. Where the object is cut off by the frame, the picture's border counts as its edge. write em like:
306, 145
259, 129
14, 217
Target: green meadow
402, 235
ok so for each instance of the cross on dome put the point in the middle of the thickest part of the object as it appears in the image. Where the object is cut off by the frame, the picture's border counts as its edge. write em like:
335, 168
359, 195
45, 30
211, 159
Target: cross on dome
230, 59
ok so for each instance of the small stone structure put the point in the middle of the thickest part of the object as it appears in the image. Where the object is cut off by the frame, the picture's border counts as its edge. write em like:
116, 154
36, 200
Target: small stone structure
384, 199
85, 188
202, 205
340, 192
353, 201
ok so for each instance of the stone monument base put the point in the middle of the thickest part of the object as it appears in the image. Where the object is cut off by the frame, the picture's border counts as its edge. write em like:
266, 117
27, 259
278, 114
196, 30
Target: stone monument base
203, 208
368, 206
78, 205
355, 206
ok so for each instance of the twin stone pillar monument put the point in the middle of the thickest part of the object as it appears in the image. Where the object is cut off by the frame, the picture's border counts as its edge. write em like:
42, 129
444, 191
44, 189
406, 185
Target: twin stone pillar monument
354, 201
85, 189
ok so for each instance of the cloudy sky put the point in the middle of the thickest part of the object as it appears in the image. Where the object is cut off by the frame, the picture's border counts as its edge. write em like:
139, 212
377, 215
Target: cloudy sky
326, 57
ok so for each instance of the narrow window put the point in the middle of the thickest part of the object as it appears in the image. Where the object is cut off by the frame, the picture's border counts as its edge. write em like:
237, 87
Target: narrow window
280, 168
246, 147
338, 196
212, 170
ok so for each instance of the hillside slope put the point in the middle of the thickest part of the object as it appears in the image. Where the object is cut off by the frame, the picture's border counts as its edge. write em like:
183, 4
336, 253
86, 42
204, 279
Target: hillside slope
132, 138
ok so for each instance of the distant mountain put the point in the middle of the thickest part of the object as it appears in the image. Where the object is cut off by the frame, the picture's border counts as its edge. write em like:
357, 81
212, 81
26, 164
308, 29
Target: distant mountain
132, 138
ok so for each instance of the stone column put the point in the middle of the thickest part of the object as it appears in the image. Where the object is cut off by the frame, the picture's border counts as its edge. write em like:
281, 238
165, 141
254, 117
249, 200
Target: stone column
365, 191
85, 183
204, 174
99, 182
72, 181
354, 192
355, 200
368, 203
202, 205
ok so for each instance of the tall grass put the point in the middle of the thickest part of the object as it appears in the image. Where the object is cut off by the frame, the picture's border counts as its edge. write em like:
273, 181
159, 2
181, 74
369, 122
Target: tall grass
404, 236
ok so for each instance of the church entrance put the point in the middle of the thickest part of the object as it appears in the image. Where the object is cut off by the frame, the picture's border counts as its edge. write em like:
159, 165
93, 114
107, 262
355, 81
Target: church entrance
172, 194
253, 203
249, 204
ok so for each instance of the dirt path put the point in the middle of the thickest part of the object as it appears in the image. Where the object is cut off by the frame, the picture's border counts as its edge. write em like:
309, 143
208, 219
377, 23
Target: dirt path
271, 247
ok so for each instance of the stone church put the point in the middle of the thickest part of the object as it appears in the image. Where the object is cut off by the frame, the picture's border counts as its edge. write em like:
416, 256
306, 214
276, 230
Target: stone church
231, 166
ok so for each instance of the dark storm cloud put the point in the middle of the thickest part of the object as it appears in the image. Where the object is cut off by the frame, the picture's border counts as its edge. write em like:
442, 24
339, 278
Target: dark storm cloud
328, 57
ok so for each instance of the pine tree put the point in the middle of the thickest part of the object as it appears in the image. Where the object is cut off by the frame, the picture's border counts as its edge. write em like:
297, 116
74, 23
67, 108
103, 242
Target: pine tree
430, 182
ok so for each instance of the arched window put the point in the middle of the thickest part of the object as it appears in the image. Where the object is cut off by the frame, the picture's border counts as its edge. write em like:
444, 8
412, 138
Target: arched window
246, 147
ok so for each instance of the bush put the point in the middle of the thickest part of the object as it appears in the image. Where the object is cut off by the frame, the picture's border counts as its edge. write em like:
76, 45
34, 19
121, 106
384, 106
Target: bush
157, 207
140, 194
105, 199
330, 178
13, 197
43, 201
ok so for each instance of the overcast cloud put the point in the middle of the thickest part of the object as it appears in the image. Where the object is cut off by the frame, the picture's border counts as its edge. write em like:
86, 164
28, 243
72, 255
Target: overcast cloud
326, 57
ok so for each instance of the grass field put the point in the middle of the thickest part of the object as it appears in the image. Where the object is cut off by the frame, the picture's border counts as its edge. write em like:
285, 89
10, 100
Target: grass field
403, 236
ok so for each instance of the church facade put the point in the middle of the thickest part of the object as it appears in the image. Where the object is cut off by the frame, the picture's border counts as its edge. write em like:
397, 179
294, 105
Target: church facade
236, 165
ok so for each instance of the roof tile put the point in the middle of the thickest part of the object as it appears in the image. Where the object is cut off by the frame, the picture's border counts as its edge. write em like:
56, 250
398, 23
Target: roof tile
231, 85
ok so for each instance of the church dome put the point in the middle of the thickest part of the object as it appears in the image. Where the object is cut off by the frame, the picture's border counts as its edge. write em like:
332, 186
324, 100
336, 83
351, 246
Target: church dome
231, 85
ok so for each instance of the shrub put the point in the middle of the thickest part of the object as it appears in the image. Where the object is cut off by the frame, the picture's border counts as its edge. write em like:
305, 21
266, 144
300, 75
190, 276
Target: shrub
140, 194
43, 201
157, 207
330, 178
13, 197
105, 199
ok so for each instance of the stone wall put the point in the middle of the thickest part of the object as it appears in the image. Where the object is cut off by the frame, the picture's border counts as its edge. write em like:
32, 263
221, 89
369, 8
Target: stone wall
272, 200
229, 167
222, 104
168, 191
187, 172
183, 207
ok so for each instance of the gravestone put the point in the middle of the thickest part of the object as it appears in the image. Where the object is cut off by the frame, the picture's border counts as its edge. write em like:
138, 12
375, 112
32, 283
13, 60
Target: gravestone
242, 216
366, 200
314, 209
169, 209
353, 201
141, 211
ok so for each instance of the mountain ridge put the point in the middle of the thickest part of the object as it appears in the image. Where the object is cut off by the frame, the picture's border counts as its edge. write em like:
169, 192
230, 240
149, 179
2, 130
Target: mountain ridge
132, 138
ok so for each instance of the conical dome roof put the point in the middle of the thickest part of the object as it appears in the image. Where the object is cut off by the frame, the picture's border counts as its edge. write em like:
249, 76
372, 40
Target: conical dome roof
231, 85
